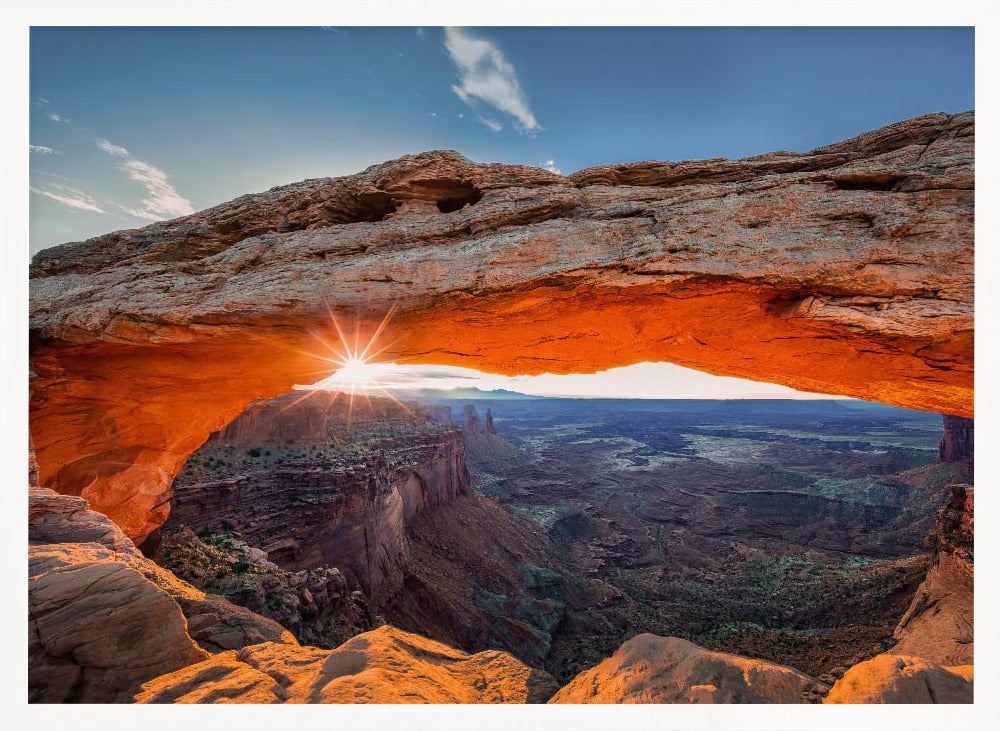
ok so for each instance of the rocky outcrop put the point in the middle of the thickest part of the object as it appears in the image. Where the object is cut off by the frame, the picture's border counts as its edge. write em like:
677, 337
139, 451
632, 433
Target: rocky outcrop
316, 605
55, 518
385, 665
103, 620
97, 628
903, 679
957, 442
326, 484
938, 625
847, 270
471, 423
651, 669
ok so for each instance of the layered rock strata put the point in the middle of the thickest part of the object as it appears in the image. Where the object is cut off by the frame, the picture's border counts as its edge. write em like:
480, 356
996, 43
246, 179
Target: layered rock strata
847, 270
325, 484
102, 619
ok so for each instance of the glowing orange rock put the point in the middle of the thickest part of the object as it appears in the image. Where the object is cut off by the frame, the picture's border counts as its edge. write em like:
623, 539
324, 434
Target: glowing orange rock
845, 270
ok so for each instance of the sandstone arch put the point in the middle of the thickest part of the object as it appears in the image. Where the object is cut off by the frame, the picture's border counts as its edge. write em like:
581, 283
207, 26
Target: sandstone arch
845, 270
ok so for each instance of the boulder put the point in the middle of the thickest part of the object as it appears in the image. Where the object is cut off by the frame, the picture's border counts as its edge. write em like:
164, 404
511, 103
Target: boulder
652, 669
903, 679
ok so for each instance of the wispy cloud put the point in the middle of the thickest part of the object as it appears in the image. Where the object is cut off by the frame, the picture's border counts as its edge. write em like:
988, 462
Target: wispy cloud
69, 197
493, 124
59, 118
163, 200
486, 76
550, 165
43, 150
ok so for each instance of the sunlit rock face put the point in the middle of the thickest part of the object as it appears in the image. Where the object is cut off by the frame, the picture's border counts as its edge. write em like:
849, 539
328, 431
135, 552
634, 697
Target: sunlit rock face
651, 669
385, 665
938, 625
903, 679
102, 620
845, 270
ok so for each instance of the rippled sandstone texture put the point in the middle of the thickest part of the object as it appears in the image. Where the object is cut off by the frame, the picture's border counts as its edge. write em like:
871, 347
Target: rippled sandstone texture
847, 270
102, 619
385, 665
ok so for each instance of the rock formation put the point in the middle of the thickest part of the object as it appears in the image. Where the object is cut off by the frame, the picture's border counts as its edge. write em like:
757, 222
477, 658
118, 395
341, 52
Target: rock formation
325, 484
103, 620
651, 669
848, 270
903, 679
471, 423
957, 443
385, 665
316, 605
938, 625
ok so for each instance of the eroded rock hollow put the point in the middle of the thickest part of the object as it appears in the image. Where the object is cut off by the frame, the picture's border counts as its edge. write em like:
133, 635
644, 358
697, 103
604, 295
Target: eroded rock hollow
845, 270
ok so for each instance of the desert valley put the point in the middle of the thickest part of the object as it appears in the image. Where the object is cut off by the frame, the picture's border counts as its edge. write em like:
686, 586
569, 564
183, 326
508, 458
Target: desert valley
201, 531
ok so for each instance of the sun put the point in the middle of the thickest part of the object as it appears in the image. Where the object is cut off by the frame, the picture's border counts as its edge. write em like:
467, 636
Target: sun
355, 368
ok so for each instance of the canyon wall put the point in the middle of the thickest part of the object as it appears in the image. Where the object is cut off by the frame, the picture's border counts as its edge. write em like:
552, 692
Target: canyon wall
846, 270
314, 482
958, 440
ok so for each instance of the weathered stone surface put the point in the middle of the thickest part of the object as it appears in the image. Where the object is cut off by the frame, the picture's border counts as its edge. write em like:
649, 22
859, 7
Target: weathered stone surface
291, 478
938, 626
903, 679
385, 665
316, 605
66, 523
97, 628
651, 669
846, 270
55, 518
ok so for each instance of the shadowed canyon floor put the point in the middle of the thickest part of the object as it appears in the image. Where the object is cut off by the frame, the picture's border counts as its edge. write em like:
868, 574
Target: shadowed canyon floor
789, 531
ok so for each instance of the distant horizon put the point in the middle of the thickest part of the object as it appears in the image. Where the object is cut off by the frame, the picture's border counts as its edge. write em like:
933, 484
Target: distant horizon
655, 381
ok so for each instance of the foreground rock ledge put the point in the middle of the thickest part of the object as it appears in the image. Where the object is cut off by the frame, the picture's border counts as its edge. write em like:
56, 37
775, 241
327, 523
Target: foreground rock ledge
651, 669
846, 270
386, 665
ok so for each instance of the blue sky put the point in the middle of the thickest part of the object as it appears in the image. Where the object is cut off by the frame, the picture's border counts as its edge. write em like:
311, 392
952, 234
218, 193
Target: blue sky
132, 125
146, 123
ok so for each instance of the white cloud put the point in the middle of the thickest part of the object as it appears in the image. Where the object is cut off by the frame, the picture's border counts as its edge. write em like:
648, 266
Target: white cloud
59, 118
485, 75
550, 165
491, 123
163, 200
43, 150
70, 197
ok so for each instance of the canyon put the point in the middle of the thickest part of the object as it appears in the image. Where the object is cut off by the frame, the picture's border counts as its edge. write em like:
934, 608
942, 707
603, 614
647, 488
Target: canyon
361, 527
845, 270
